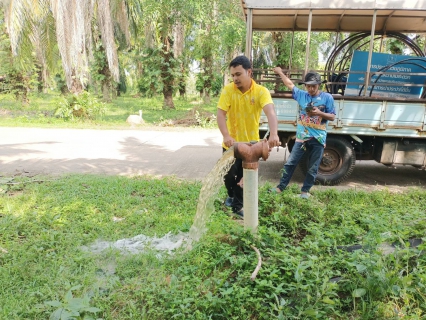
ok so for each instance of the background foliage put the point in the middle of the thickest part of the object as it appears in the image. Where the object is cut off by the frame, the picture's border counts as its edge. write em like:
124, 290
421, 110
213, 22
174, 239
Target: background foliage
153, 48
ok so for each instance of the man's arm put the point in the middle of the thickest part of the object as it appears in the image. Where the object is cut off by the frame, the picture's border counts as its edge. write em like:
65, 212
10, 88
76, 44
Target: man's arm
325, 115
221, 122
328, 116
287, 82
273, 140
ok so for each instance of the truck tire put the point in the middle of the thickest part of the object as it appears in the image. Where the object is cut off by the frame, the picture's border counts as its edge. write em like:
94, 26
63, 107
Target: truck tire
337, 162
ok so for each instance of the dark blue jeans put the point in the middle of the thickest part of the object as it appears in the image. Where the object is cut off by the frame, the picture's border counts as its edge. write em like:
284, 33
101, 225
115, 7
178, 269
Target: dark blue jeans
231, 178
314, 151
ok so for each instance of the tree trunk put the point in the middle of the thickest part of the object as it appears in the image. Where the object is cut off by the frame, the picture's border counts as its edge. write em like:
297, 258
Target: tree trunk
168, 99
225, 79
39, 81
114, 92
182, 88
166, 73
206, 97
76, 85
103, 69
106, 91
182, 81
282, 52
45, 77
41, 78
19, 86
168, 94
208, 74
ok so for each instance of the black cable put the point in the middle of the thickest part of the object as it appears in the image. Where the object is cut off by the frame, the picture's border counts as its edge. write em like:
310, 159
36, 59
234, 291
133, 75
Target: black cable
340, 57
387, 67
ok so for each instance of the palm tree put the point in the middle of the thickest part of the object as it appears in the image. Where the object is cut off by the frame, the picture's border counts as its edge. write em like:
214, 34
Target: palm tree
218, 38
74, 33
17, 61
165, 26
74, 37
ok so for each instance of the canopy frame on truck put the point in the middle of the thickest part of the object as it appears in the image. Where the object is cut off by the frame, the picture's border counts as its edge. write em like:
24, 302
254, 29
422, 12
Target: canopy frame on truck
385, 126
334, 16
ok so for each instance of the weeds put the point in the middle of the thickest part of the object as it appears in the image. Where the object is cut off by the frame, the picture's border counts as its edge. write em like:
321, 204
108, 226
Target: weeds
83, 106
305, 274
71, 307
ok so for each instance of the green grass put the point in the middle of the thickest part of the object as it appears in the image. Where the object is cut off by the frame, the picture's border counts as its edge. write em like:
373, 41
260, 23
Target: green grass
40, 112
44, 221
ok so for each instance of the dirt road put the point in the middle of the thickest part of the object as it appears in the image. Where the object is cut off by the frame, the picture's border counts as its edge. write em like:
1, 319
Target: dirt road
181, 152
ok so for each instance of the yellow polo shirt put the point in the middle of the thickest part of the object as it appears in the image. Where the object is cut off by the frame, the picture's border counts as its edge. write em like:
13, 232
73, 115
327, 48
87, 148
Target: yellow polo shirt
243, 110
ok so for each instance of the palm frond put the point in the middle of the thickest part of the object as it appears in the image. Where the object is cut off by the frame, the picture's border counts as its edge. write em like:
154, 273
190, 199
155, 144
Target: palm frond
15, 22
119, 13
107, 34
73, 33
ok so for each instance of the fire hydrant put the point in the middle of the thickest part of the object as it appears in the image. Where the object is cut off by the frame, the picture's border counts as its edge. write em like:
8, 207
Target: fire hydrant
250, 153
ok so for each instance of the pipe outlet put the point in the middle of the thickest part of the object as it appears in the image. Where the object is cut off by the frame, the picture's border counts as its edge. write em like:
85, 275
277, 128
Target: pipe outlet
251, 153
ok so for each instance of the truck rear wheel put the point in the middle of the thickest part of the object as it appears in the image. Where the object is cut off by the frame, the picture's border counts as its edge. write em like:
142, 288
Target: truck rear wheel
337, 162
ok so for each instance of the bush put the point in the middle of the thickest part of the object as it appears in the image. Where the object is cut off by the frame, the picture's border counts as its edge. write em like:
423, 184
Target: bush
81, 106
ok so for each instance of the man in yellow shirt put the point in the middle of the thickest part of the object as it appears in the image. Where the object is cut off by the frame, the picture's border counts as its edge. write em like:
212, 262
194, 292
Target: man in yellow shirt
240, 105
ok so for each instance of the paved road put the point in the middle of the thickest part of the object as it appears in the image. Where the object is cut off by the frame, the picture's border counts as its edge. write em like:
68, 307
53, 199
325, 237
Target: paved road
182, 152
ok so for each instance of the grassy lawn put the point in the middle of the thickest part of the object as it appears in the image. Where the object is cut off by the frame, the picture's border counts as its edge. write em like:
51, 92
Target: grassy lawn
40, 112
306, 274
339, 255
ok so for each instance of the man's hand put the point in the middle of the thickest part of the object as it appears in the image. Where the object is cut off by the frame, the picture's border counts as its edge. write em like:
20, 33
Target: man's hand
228, 141
241, 183
318, 113
314, 112
278, 70
273, 141
283, 75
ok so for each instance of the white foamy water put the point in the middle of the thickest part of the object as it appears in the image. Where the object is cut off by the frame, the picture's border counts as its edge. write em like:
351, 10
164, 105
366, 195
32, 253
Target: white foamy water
140, 243
205, 207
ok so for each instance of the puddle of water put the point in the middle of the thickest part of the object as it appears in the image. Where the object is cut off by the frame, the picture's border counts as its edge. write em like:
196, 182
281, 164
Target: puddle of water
139, 244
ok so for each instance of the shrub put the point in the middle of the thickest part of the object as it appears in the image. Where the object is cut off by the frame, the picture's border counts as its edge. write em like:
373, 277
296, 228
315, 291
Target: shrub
81, 106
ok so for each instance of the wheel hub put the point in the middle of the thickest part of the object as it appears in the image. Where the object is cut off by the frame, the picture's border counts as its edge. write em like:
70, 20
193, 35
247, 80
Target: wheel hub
330, 162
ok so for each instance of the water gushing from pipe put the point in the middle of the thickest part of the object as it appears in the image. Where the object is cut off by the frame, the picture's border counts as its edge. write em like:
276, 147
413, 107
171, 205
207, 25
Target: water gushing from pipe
209, 190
